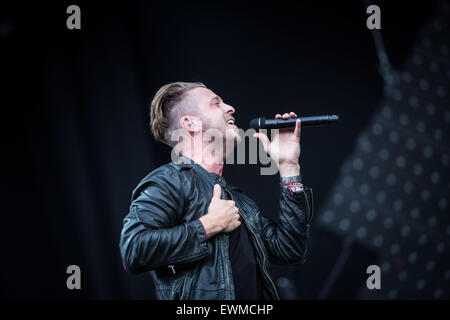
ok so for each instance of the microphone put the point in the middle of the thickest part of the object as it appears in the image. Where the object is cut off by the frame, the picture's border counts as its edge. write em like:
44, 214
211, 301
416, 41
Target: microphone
263, 123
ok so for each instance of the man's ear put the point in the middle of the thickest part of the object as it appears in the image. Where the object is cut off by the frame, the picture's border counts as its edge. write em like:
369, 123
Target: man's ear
190, 123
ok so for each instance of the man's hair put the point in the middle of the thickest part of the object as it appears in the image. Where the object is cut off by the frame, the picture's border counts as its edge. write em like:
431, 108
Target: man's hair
165, 109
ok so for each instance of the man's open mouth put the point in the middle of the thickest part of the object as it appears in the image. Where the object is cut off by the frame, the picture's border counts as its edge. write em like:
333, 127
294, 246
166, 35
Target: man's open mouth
230, 121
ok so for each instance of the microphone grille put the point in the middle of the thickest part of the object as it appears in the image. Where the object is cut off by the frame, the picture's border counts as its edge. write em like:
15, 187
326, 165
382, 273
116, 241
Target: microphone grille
254, 124
258, 123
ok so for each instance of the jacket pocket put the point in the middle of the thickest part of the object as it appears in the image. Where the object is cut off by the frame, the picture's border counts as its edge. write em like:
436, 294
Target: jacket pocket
179, 290
311, 205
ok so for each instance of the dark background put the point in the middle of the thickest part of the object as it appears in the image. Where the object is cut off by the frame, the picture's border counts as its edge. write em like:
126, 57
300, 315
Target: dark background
76, 139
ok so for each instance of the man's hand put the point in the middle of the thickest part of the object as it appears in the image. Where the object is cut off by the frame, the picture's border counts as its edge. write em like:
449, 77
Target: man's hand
285, 147
223, 215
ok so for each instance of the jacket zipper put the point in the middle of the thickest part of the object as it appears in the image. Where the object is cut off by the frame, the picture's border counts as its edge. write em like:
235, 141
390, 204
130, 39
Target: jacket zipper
172, 267
262, 251
264, 257
308, 217
226, 270
184, 287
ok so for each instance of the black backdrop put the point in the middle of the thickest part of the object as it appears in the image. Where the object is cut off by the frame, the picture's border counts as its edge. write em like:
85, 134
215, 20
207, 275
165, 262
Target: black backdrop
75, 124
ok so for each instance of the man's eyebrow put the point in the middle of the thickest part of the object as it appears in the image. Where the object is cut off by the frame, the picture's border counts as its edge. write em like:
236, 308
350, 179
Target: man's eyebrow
216, 98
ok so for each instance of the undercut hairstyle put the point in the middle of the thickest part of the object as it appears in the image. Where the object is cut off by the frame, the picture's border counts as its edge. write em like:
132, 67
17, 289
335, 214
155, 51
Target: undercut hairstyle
169, 104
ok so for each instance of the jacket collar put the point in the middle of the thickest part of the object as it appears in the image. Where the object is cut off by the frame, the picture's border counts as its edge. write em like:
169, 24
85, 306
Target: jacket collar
185, 162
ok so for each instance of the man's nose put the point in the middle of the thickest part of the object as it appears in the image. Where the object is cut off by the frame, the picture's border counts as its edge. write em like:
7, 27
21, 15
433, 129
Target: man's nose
228, 109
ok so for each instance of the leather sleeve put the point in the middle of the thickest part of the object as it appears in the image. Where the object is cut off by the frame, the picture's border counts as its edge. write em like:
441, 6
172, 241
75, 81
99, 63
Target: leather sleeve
286, 241
151, 237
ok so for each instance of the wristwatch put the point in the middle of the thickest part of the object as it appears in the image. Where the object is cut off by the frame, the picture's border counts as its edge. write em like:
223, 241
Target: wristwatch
293, 183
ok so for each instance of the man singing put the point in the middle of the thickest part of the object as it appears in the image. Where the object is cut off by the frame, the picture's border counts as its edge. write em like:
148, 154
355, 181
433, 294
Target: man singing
200, 237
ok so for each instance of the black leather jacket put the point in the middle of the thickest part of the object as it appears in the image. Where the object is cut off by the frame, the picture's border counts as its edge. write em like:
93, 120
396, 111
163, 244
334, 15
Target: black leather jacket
162, 234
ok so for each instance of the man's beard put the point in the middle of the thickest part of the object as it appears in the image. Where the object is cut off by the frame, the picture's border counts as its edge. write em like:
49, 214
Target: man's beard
231, 139
220, 143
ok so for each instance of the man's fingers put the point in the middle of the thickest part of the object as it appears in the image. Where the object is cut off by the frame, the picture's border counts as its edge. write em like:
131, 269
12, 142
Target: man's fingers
217, 191
264, 140
297, 129
286, 115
